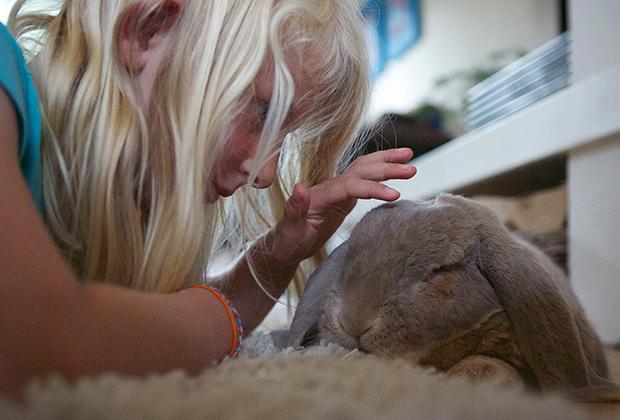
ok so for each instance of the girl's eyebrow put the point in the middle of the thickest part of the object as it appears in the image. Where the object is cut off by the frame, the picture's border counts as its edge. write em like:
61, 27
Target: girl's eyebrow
263, 92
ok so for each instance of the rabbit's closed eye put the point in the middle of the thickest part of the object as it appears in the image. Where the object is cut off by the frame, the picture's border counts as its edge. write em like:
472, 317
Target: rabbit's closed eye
445, 269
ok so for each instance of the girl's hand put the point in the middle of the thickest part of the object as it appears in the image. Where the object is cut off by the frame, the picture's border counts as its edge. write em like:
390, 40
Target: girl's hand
312, 215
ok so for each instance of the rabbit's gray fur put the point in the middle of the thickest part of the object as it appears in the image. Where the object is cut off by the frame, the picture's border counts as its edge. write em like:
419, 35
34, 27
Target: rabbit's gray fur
438, 281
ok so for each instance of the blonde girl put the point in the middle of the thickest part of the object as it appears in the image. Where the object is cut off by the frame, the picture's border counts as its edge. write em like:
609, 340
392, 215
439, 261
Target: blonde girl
153, 111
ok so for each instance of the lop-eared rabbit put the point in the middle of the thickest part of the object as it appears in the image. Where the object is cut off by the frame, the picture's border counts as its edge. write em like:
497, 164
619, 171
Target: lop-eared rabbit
444, 284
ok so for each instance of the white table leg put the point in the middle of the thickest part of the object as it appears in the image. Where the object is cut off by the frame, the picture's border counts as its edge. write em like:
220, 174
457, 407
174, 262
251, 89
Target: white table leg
594, 233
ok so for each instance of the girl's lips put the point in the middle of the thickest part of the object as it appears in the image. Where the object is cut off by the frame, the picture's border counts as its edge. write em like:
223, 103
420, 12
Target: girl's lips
223, 192
215, 192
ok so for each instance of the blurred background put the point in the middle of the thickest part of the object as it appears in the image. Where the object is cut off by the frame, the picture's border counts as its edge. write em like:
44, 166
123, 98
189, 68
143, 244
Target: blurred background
429, 52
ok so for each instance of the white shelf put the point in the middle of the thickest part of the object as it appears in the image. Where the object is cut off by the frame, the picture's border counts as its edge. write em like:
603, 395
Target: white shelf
581, 114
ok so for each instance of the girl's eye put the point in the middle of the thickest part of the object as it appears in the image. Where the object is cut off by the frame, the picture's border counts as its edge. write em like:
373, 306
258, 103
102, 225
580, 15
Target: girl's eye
261, 111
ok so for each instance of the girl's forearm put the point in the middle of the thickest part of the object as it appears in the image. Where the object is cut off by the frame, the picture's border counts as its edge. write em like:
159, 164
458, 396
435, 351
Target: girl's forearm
97, 328
240, 285
135, 332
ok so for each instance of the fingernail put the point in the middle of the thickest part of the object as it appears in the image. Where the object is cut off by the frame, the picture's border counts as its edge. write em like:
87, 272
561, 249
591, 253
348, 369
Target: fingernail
391, 191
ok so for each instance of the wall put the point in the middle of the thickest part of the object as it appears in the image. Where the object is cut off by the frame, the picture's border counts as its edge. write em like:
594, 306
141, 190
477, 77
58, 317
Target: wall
596, 39
5, 8
457, 35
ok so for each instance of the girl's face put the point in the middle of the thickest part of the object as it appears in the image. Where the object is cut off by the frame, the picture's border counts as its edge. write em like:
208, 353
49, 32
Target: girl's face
237, 159
234, 165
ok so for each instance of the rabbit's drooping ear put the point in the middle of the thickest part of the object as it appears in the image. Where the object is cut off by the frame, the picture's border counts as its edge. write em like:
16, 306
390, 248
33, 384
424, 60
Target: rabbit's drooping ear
310, 306
543, 322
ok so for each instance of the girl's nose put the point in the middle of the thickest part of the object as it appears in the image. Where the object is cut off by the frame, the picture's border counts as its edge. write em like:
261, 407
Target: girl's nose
267, 174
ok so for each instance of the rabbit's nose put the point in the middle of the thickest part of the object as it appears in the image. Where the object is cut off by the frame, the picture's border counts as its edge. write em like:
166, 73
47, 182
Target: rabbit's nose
361, 348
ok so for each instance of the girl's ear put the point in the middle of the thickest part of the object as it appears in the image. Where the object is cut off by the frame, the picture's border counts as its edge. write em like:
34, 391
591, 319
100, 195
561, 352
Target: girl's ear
142, 31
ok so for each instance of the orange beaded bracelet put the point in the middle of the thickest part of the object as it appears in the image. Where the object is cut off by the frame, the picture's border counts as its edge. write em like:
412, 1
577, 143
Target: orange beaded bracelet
233, 315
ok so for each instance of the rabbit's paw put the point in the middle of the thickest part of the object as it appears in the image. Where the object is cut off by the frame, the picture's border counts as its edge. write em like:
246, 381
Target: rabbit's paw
483, 368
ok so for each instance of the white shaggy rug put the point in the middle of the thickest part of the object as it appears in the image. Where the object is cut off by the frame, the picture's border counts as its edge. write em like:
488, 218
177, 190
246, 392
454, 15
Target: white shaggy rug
325, 382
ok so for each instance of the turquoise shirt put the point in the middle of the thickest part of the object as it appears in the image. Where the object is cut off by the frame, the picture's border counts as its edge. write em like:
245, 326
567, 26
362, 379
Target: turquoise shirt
17, 82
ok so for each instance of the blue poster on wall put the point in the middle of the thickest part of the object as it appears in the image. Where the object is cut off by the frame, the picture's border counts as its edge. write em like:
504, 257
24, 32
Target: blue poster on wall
392, 27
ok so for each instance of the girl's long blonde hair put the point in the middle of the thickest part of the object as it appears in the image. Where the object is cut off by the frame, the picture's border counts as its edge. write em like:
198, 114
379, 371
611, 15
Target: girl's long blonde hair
125, 184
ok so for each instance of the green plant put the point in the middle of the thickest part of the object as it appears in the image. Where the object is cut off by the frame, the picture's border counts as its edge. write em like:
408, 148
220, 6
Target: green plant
447, 94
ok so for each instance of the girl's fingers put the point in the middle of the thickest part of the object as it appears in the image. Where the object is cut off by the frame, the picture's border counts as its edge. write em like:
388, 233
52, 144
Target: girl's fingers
342, 191
362, 180
298, 203
401, 155
381, 171
366, 189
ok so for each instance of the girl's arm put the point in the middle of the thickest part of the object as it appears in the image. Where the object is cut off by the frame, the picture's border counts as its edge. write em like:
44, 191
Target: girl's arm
239, 284
51, 322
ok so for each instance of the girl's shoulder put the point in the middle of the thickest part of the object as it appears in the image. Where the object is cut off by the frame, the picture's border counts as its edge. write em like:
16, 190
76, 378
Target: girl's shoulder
16, 80
14, 75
